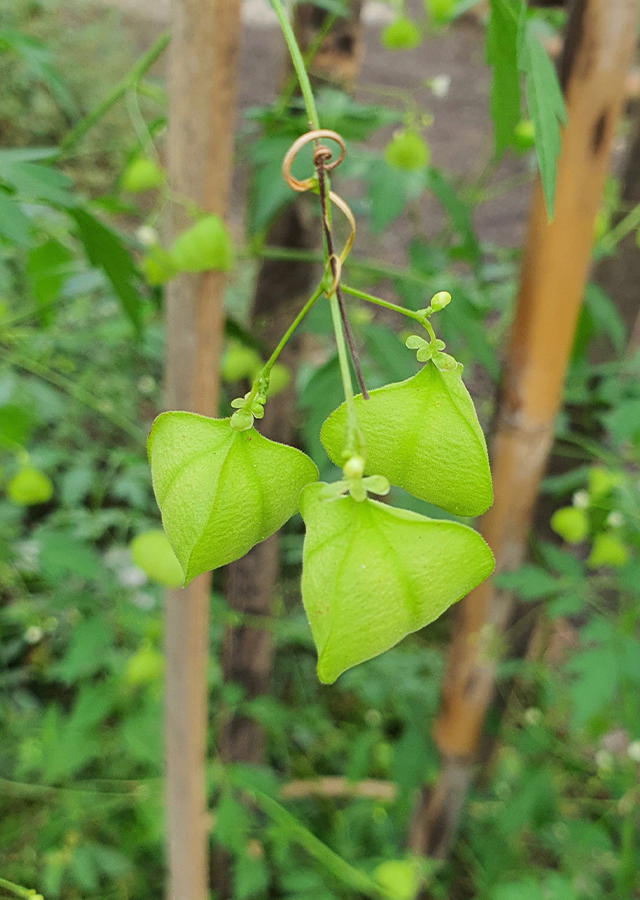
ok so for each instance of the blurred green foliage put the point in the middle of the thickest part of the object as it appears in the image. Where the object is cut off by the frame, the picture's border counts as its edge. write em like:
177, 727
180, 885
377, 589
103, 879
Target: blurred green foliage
81, 659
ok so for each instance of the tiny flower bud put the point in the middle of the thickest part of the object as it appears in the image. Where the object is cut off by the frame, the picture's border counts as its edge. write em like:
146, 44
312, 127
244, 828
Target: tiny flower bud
440, 300
354, 467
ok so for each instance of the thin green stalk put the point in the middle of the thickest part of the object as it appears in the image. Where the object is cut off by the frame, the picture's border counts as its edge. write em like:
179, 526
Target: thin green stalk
621, 230
354, 442
362, 295
19, 891
73, 137
290, 86
298, 63
266, 369
349, 875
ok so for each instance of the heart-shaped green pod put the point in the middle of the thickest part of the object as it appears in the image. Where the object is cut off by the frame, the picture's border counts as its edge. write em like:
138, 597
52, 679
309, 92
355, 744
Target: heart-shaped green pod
221, 491
372, 574
423, 435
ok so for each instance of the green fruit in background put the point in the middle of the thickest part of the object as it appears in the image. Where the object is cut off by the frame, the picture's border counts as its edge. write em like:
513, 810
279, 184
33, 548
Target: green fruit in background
158, 266
278, 379
206, 245
221, 491
29, 487
403, 34
607, 550
152, 552
238, 362
145, 666
602, 481
142, 174
440, 10
424, 436
524, 136
407, 151
372, 574
571, 523
399, 877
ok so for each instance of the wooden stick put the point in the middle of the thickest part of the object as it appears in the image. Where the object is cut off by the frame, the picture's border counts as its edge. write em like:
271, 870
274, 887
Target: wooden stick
202, 99
337, 787
598, 50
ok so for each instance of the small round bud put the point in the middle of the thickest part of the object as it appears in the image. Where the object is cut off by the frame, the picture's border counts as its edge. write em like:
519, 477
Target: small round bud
354, 467
440, 300
241, 420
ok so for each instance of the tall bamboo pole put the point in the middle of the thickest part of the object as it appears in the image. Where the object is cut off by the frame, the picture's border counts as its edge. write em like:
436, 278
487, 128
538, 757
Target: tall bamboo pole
598, 49
202, 99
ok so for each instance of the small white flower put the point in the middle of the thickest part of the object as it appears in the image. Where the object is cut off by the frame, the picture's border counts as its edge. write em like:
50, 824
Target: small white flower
33, 634
147, 235
633, 751
440, 85
615, 519
143, 600
131, 577
581, 499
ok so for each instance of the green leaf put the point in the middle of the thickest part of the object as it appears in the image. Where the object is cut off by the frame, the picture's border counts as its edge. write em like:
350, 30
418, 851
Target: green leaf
502, 55
221, 491
268, 191
424, 436
389, 190
546, 109
16, 423
88, 651
106, 251
458, 210
372, 574
63, 554
39, 60
47, 270
14, 225
34, 181
529, 583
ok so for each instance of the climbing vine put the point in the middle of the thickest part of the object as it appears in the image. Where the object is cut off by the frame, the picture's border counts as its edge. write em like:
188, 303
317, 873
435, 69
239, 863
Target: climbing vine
371, 573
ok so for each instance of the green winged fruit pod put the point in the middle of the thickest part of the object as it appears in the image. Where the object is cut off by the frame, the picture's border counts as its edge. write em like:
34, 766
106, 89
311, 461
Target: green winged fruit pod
423, 435
372, 574
220, 491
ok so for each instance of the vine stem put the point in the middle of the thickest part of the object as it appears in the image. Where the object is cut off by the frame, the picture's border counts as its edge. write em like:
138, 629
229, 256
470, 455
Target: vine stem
73, 137
362, 295
266, 369
18, 890
336, 296
298, 64
354, 442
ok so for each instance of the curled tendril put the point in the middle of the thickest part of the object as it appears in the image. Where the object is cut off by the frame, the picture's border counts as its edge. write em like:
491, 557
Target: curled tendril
334, 261
321, 154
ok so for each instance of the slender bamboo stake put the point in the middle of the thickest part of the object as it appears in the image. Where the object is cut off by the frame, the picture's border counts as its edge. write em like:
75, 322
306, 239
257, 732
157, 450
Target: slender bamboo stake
600, 42
202, 100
